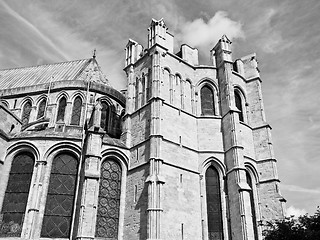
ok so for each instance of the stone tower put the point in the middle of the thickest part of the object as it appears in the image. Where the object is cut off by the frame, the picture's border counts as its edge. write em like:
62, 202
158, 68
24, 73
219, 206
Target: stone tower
201, 158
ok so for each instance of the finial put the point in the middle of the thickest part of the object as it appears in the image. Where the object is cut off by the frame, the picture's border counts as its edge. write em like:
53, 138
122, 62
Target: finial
94, 53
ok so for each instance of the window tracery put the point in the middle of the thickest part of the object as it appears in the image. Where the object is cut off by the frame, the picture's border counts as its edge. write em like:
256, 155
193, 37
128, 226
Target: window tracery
16, 195
109, 200
60, 198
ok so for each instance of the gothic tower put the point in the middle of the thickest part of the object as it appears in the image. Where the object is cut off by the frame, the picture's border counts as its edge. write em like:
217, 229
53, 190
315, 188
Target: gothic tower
201, 158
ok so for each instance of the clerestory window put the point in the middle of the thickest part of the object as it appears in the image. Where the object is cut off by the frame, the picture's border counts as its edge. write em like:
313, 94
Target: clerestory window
76, 111
27, 107
61, 109
42, 108
207, 101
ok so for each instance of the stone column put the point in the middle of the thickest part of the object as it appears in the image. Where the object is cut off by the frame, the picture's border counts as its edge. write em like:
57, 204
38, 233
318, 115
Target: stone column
238, 190
33, 224
90, 182
155, 180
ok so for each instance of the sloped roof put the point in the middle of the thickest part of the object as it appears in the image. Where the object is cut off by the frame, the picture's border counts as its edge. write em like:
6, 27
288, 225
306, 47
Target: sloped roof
85, 69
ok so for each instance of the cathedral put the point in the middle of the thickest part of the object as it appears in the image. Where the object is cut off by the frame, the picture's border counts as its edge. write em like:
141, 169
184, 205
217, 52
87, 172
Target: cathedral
183, 153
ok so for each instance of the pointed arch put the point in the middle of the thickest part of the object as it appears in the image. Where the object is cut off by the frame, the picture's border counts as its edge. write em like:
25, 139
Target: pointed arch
61, 109
239, 99
76, 111
26, 112
41, 108
207, 100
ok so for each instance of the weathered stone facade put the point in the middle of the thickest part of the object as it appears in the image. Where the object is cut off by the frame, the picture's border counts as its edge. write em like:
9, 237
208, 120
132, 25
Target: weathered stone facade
193, 159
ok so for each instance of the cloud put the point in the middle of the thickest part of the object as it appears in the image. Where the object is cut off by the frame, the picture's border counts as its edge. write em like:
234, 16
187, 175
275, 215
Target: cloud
267, 32
295, 188
199, 33
296, 212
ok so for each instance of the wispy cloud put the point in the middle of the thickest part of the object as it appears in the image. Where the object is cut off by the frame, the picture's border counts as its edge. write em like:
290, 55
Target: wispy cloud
295, 188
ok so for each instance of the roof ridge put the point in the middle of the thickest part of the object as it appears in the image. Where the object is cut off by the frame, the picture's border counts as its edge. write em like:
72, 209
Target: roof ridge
39, 65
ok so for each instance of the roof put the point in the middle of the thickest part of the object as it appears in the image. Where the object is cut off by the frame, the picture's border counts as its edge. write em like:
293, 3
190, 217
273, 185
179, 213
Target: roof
85, 69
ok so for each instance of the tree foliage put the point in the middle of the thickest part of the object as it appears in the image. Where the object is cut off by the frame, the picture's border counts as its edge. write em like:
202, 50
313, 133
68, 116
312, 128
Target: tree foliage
303, 228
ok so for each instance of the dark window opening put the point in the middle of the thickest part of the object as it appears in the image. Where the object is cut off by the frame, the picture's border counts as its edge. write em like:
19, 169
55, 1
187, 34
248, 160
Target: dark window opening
253, 211
61, 109
42, 108
214, 209
104, 115
26, 113
16, 195
60, 198
238, 101
207, 101
109, 200
76, 111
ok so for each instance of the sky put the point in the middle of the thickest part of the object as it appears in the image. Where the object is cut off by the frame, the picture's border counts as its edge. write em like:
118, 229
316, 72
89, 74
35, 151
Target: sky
284, 34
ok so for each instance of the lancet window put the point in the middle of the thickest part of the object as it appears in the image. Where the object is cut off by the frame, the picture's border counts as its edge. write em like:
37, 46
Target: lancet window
253, 211
76, 111
207, 101
61, 109
238, 101
26, 113
42, 108
60, 197
16, 195
214, 209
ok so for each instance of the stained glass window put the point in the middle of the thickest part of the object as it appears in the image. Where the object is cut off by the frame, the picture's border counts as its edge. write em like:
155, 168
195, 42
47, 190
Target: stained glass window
26, 113
239, 104
109, 200
253, 211
16, 195
76, 111
104, 115
42, 108
61, 109
207, 101
60, 198
214, 212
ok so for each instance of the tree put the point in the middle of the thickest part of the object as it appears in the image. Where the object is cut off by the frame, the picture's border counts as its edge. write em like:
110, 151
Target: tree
303, 228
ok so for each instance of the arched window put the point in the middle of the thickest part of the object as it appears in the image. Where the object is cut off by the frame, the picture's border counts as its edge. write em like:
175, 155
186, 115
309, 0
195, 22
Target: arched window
42, 108
60, 198
253, 211
214, 210
238, 101
207, 101
16, 195
104, 115
26, 113
109, 200
76, 111
61, 109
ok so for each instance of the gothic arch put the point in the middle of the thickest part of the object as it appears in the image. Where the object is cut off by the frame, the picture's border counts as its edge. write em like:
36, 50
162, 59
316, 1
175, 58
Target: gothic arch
213, 164
78, 93
240, 102
208, 87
